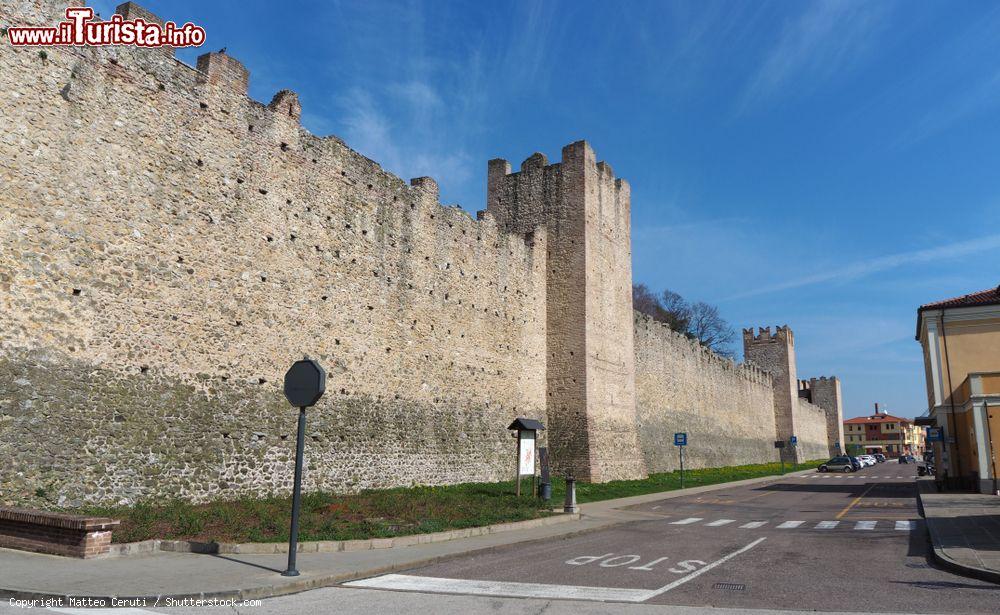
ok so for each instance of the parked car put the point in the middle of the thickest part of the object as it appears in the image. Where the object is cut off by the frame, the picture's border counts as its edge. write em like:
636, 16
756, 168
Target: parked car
879, 457
866, 460
837, 464
925, 469
857, 463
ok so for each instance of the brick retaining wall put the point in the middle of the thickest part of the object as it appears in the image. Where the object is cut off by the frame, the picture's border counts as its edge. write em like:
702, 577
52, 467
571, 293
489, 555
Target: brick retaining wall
55, 533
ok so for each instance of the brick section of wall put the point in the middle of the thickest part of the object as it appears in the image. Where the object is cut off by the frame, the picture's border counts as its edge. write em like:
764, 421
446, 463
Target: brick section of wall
726, 409
221, 70
170, 247
55, 533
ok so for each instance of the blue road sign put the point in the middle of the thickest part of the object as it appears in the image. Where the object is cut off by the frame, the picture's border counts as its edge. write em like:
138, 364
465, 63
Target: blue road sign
935, 434
793, 440
680, 439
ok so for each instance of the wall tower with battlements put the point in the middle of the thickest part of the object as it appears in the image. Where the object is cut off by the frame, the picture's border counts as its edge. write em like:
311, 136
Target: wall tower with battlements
810, 410
590, 346
775, 353
825, 393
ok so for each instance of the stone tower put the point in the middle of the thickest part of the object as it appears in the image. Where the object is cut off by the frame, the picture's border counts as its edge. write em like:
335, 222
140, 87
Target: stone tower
825, 393
775, 353
590, 361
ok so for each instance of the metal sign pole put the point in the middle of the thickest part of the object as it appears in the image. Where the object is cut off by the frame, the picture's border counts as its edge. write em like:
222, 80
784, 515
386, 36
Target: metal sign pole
293, 537
517, 466
682, 466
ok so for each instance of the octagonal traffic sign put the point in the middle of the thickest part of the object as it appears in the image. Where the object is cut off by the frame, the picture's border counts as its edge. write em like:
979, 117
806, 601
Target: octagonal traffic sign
305, 383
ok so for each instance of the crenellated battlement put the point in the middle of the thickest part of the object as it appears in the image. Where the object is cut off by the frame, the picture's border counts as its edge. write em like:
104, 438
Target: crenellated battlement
747, 371
515, 198
764, 335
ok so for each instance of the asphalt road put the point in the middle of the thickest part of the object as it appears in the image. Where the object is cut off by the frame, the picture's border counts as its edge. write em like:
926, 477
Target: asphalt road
830, 542
837, 543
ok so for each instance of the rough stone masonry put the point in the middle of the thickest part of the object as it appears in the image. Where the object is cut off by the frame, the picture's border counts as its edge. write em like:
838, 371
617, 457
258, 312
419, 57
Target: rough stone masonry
168, 246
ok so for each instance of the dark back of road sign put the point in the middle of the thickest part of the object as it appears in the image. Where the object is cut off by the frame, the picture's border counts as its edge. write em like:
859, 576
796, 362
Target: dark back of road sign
543, 460
305, 383
779, 444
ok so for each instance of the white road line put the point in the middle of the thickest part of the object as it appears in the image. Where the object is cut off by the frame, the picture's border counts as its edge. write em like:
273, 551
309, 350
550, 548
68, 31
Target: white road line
657, 506
865, 525
437, 585
827, 525
703, 570
720, 522
788, 525
838, 476
126, 611
752, 525
904, 525
687, 521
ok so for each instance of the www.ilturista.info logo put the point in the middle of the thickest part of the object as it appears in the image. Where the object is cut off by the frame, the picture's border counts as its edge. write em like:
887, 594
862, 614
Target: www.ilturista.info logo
80, 30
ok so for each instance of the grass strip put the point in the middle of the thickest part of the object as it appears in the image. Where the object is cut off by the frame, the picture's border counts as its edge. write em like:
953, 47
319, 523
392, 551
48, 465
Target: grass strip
384, 513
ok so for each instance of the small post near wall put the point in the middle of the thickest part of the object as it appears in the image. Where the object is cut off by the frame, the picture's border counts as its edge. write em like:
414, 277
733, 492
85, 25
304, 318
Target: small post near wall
680, 441
526, 432
305, 383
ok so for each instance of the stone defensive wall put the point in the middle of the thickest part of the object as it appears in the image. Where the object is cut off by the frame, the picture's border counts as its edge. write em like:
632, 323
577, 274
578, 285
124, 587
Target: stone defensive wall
168, 247
811, 431
727, 409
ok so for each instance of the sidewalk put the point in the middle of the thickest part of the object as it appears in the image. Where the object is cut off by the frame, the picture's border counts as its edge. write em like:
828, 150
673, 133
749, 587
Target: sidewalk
964, 529
153, 577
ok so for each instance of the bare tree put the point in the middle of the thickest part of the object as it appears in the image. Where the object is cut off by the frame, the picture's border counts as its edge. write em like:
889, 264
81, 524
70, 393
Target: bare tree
709, 328
699, 321
643, 300
676, 311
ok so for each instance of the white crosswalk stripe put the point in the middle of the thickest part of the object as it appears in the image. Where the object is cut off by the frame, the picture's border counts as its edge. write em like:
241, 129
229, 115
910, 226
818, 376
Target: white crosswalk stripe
863, 525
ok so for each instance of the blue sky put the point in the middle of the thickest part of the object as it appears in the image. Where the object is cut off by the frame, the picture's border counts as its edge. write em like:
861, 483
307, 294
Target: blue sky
829, 165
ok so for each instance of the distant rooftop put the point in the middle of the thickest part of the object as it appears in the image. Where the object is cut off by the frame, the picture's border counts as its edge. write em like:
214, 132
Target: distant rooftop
877, 418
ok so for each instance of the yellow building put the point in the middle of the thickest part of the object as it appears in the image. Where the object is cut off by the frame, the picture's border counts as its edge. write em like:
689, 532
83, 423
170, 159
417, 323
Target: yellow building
961, 344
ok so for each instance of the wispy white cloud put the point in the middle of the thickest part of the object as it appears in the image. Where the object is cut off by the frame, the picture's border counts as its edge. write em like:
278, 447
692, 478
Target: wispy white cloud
397, 146
827, 38
883, 263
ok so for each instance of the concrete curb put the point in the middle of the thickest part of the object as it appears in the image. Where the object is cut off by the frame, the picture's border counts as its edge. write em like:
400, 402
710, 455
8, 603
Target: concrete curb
940, 554
146, 547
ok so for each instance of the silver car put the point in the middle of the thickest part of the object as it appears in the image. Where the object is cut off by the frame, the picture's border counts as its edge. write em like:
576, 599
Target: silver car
837, 464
